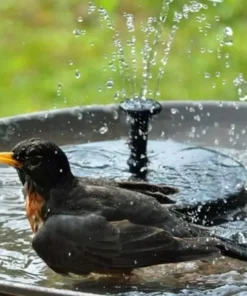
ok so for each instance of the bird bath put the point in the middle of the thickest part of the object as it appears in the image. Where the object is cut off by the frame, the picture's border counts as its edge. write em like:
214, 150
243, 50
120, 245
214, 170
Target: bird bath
199, 147
95, 154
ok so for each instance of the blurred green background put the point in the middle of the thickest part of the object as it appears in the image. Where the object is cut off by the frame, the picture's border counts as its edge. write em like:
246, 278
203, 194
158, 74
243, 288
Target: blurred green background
40, 55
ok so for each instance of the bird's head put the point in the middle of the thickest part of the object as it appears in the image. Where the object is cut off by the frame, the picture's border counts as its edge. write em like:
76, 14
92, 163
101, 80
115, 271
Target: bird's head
40, 161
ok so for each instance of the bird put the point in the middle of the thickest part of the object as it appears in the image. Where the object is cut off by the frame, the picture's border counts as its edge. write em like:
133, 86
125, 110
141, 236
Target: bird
85, 225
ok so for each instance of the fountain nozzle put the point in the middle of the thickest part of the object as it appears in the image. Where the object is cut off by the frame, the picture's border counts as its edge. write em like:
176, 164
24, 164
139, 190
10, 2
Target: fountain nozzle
140, 111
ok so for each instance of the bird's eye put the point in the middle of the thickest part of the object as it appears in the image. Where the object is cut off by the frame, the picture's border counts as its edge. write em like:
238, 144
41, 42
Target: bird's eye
35, 160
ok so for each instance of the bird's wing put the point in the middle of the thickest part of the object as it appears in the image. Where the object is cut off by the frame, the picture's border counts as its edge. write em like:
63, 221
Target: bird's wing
158, 191
83, 244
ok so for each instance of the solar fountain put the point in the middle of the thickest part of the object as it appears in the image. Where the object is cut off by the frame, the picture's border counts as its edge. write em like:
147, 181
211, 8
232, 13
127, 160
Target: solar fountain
198, 147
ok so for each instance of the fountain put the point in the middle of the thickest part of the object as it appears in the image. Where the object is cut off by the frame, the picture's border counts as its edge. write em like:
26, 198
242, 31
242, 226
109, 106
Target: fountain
140, 112
197, 156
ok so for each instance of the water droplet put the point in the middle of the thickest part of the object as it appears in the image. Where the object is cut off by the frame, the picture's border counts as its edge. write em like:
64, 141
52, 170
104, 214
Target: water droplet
130, 22
71, 63
241, 85
79, 116
215, 2
197, 118
227, 36
157, 93
103, 130
200, 106
227, 64
69, 254
77, 74
174, 111
80, 19
109, 83
91, 7
77, 32
217, 142
143, 169
207, 75
59, 89
116, 95
115, 114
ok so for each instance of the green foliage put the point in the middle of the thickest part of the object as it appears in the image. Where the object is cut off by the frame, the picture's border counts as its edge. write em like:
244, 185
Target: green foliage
38, 52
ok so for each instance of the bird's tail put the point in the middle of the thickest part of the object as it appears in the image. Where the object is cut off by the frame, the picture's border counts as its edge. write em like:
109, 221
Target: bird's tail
226, 246
231, 249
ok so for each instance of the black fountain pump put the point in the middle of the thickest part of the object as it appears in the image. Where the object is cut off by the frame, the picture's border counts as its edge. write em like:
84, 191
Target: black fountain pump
140, 111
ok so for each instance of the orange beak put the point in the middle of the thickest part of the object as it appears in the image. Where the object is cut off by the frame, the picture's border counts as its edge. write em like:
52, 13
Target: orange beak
7, 158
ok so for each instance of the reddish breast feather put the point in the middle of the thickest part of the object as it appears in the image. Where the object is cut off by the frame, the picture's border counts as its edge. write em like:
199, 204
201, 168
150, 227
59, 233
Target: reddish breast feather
34, 204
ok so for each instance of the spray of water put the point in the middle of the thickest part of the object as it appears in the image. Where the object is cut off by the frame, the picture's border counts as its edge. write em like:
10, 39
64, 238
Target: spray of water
141, 71
157, 46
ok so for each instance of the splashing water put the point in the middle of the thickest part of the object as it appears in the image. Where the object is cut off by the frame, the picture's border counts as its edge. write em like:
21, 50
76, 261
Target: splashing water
158, 35
141, 50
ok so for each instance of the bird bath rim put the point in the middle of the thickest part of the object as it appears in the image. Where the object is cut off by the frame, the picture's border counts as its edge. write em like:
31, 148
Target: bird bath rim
82, 124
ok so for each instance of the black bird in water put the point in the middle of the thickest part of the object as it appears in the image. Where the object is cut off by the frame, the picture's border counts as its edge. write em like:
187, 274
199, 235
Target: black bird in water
84, 225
